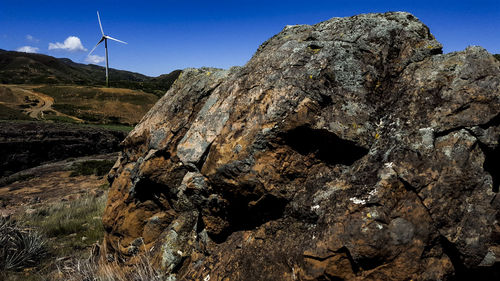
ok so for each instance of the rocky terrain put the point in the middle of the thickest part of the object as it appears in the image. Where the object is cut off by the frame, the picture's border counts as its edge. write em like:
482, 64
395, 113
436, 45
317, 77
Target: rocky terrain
28, 144
352, 149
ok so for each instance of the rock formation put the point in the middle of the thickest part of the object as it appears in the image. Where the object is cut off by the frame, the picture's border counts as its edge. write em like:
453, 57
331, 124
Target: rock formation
27, 144
352, 149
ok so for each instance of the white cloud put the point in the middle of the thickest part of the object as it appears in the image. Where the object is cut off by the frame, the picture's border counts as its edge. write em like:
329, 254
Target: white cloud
94, 59
31, 38
27, 49
72, 44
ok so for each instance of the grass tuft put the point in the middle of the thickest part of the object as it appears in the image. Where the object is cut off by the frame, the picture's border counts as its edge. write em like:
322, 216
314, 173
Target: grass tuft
19, 247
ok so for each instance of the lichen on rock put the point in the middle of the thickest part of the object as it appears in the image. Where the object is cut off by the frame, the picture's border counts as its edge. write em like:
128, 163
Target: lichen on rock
352, 149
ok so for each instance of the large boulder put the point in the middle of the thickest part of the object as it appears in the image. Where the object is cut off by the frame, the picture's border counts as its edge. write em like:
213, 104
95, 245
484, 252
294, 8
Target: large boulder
352, 149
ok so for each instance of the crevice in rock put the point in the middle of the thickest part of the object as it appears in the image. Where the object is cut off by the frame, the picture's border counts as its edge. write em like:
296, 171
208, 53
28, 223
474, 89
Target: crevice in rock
328, 277
354, 265
454, 255
344, 251
325, 101
491, 155
161, 192
178, 266
243, 213
492, 163
146, 189
460, 109
325, 145
495, 121
203, 157
462, 273
314, 47
449, 131
319, 258
370, 263
200, 225
413, 189
410, 187
303, 214
311, 38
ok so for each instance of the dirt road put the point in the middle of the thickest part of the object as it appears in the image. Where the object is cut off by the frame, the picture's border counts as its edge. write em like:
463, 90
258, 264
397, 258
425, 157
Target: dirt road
36, 103
45, 104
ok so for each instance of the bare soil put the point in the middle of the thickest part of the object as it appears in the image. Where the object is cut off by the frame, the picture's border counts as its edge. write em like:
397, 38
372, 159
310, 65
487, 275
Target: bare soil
49, 183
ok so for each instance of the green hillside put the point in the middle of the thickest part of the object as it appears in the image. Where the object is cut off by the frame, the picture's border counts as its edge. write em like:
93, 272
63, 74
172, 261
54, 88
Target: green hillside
28, 68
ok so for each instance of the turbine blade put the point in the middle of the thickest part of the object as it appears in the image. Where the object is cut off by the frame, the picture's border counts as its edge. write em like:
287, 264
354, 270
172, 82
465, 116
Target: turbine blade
109, 37
102, 39
100, 25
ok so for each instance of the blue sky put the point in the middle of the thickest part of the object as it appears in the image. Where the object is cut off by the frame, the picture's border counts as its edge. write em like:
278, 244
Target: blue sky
168, 35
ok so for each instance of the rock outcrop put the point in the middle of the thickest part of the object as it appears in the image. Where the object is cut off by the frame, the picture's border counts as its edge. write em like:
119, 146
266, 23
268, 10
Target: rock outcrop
25, 145
348, 150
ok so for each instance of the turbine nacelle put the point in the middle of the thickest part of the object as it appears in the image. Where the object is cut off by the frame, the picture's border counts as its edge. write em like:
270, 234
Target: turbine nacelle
104, 36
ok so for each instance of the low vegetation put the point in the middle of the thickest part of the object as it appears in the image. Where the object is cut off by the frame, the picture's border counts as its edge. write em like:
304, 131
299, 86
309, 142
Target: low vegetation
20, 247
88, 269
28, 68
34, 244
114, 107
92, 167
60, 119
18, 177
7, 113
59, 242
71, 225
95, 105
112, 127
64, 94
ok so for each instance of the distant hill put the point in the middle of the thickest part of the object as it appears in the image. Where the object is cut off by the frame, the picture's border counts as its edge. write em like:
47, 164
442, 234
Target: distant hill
497, 56
28, 68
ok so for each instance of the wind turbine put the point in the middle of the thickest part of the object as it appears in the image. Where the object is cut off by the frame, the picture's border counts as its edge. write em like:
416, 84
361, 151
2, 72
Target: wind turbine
105, 39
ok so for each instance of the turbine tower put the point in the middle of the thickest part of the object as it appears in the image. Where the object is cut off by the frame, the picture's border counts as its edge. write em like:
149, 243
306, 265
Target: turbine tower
105, 39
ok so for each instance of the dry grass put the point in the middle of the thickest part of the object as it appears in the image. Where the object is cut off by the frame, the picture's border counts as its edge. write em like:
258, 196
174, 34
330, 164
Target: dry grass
87, 269
100, 105
75, 104
71, 227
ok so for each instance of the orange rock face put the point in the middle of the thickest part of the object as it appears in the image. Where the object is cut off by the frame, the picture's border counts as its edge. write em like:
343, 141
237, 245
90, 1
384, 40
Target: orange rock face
348, 150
